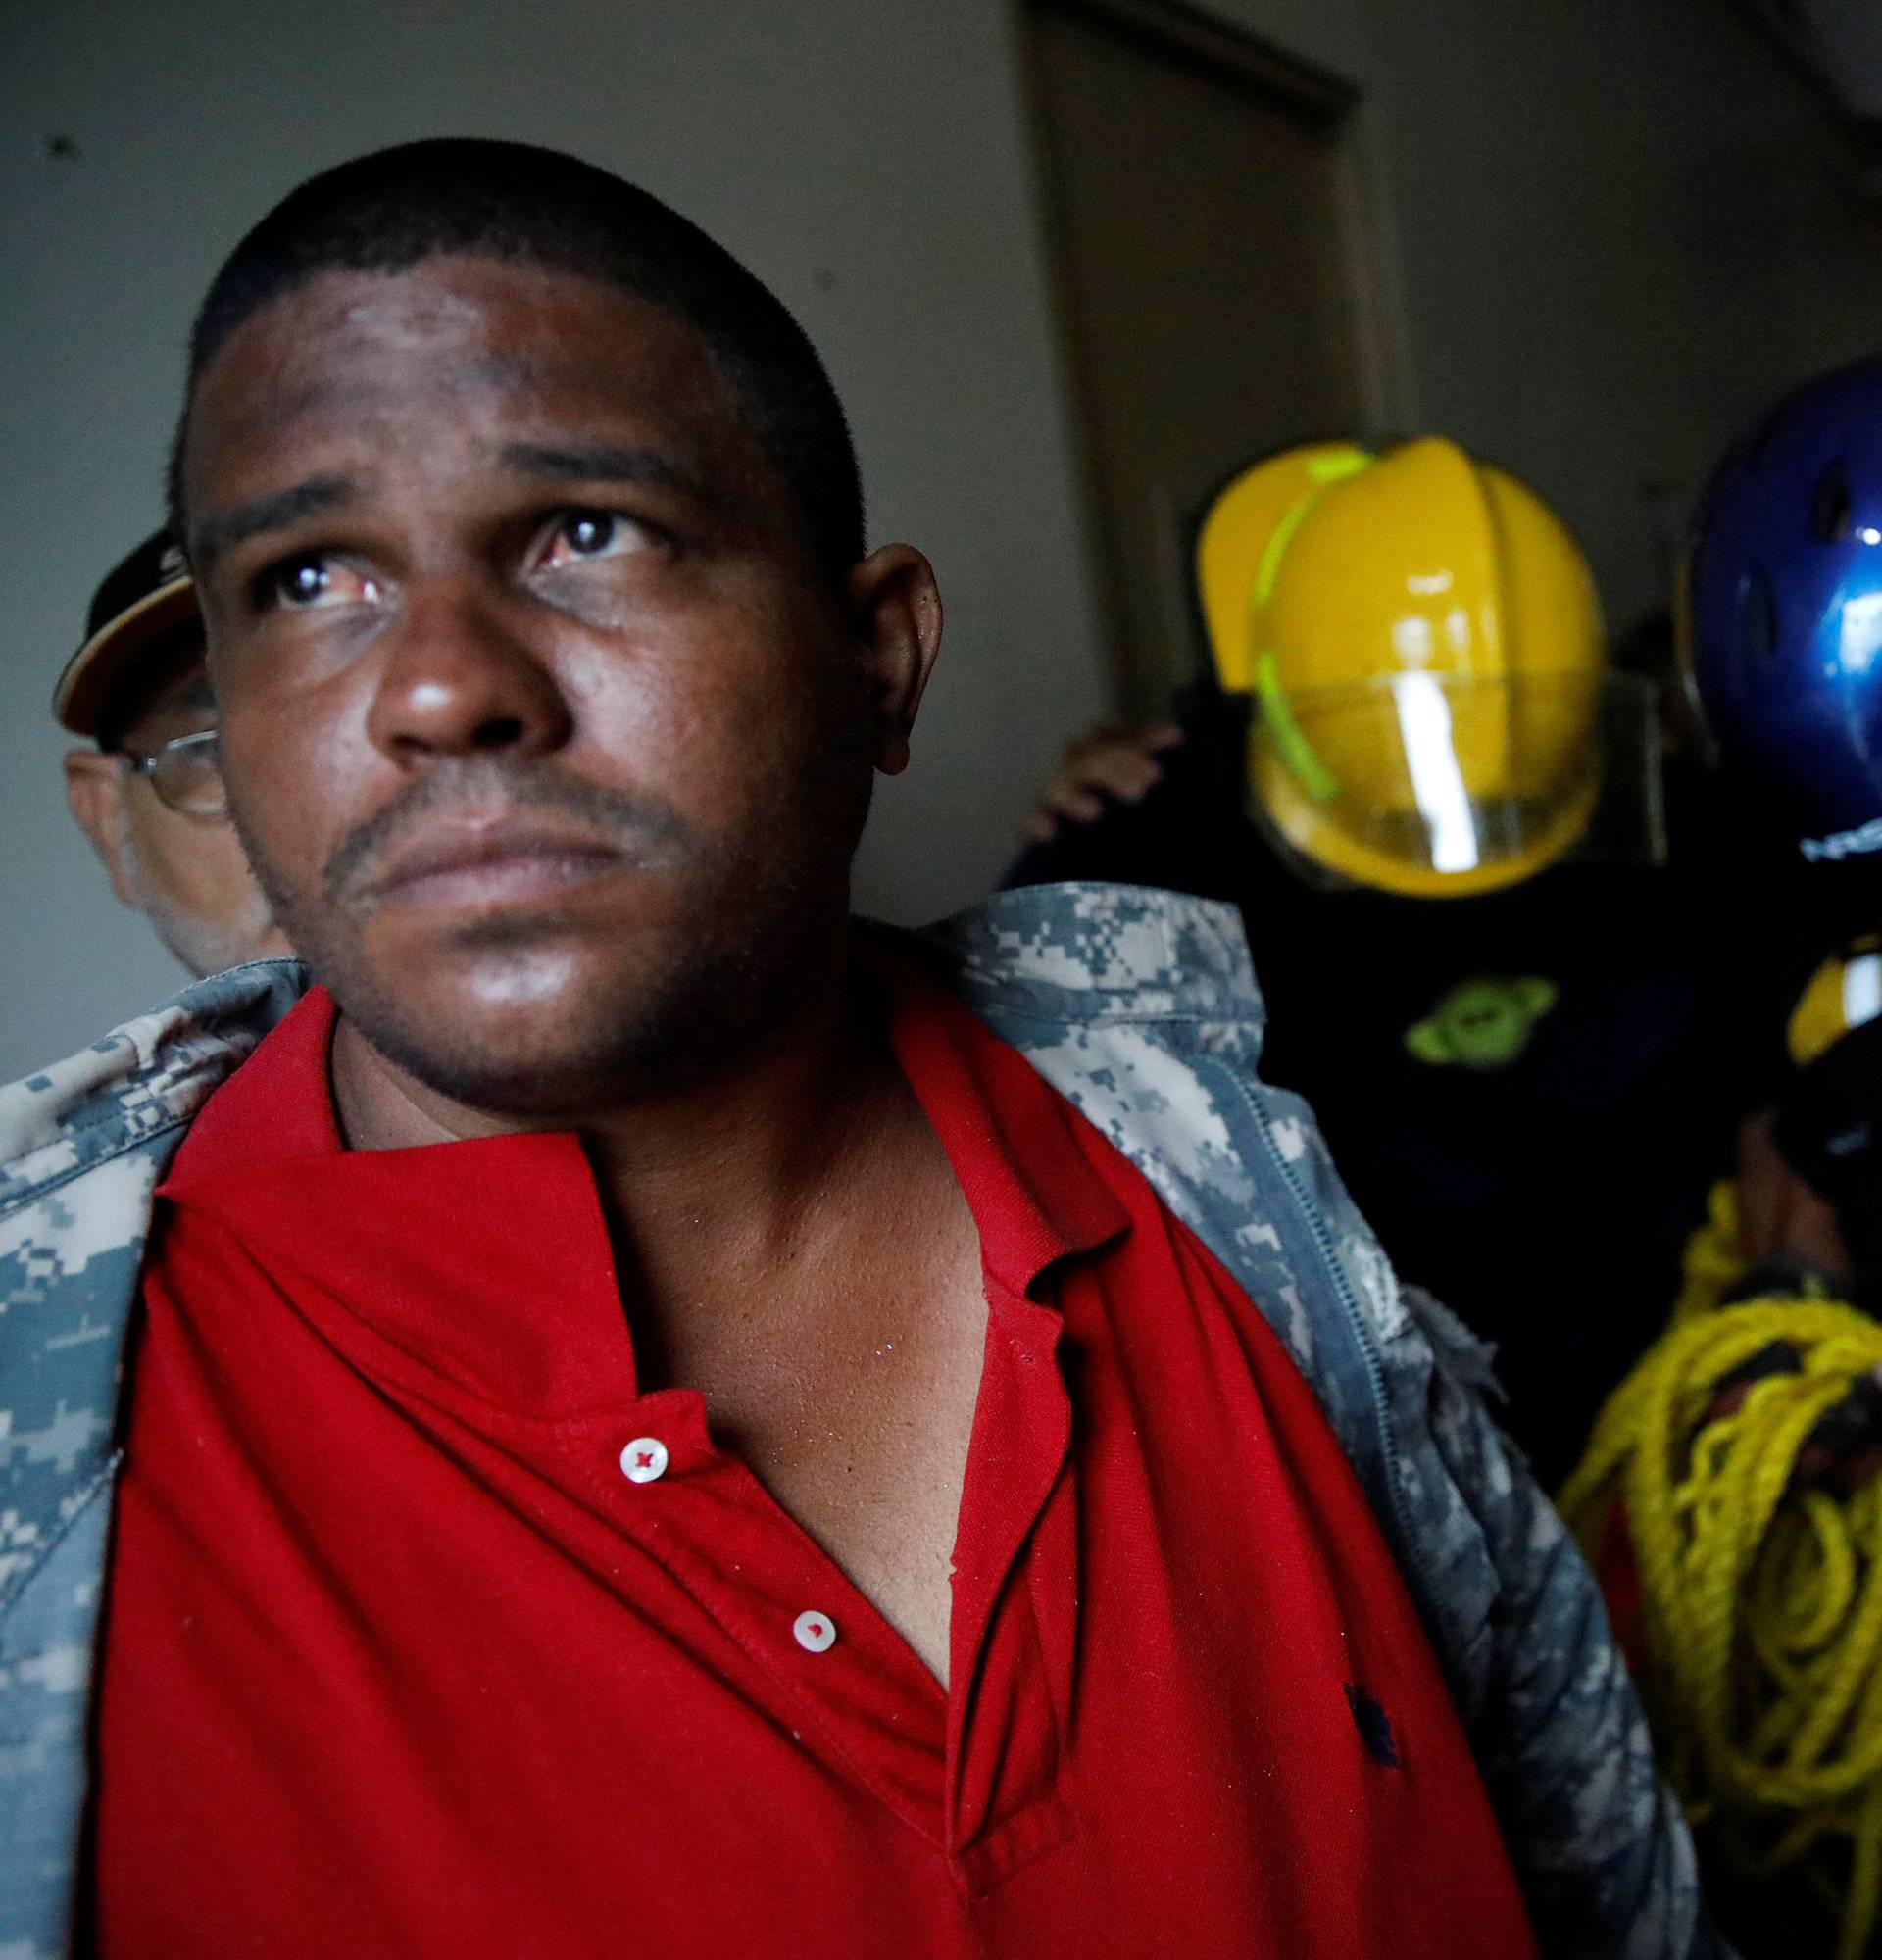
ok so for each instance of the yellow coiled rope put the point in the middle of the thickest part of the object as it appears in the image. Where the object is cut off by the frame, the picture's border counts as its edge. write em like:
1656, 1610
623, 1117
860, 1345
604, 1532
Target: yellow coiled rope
1762, 1598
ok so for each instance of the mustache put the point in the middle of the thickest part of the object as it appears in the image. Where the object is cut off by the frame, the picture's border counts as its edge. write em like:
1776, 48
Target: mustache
641, 826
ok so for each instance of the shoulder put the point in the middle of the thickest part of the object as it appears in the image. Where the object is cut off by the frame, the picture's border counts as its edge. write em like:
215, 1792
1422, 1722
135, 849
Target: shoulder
146, 1077
82, 1146
1091, 950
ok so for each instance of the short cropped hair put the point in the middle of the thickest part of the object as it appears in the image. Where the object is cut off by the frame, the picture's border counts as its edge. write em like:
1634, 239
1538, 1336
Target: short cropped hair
388, 211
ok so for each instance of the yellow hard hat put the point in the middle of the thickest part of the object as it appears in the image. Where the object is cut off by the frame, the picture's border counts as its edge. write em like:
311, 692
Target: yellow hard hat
1843, 995
1424, 646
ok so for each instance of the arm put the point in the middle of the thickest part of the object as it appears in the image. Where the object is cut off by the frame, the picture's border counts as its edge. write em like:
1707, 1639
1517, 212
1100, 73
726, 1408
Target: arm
1601, 1844
1140, 805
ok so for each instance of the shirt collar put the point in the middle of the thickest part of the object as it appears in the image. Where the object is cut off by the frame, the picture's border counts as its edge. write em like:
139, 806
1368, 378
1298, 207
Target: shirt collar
1019, 1150
276, 1109
428, 1257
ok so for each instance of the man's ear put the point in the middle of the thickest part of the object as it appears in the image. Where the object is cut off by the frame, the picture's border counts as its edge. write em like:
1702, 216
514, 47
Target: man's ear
95, 791
896, 607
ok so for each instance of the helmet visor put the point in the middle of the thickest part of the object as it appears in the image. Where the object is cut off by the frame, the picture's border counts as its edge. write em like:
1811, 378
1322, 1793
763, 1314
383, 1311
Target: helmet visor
1444, 785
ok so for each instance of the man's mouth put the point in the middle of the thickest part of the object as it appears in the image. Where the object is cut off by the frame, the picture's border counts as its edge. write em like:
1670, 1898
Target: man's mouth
469, 864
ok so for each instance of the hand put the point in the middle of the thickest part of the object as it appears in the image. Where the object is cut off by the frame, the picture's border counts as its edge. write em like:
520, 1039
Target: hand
1780, 1217
1783, 1222
1117, 760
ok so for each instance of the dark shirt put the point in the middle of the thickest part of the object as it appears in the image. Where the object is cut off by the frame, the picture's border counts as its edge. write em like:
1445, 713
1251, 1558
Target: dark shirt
1528, 1092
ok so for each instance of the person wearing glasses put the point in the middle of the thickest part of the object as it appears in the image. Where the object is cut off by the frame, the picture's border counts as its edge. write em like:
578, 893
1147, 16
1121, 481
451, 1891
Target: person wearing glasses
150, 796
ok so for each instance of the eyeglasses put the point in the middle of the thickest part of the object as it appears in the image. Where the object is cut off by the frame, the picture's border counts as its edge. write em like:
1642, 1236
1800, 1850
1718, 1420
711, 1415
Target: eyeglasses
186, 774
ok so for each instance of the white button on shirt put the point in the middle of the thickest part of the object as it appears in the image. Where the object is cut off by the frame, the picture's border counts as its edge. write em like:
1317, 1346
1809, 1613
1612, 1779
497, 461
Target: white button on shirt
816, 1631
644, 1459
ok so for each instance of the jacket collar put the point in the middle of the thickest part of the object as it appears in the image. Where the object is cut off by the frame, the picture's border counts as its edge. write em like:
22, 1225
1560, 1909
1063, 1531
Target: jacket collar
1092, 953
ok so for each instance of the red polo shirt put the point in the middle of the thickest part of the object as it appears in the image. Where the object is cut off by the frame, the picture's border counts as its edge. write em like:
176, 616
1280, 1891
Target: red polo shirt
428, 1633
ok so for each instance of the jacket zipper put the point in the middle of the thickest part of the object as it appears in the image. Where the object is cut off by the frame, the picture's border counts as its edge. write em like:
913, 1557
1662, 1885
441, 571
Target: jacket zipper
1343, 1291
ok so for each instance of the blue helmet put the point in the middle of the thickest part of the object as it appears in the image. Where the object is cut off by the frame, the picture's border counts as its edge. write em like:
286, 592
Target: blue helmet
1781, 612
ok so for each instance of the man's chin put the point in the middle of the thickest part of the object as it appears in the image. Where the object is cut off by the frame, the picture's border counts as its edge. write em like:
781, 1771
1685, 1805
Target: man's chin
524, 1060
567, 1014
542, 1030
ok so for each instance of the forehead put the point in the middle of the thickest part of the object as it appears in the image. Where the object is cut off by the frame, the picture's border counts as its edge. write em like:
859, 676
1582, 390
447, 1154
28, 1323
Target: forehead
457, 351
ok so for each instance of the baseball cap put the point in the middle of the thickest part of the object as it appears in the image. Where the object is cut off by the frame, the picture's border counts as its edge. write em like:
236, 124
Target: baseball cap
139, 601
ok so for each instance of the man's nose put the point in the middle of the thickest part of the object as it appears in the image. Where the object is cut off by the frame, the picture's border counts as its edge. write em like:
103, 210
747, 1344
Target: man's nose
460, 677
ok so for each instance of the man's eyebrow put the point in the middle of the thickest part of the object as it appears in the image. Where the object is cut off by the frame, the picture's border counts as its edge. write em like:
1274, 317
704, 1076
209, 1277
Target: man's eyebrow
601, 462
219, 532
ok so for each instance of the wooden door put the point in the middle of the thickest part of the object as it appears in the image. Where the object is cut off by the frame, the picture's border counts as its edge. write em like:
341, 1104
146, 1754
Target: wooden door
1213, 284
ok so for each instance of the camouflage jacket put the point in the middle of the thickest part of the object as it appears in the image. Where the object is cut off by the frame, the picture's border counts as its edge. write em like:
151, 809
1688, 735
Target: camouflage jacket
1141, 1007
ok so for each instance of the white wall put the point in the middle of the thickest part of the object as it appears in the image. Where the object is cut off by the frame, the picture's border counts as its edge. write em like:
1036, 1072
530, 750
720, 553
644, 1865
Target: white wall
1625, 226
1617, 227
1619, 230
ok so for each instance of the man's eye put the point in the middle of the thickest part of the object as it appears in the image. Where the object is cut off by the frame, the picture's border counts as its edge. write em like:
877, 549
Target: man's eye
589, 534
305, 582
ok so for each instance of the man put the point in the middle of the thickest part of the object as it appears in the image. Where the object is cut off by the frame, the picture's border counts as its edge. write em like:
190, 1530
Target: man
149, 796
650, 1423
1530, 1069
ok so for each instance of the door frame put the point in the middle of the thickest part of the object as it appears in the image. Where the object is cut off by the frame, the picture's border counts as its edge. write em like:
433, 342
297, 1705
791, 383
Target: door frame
1248, 62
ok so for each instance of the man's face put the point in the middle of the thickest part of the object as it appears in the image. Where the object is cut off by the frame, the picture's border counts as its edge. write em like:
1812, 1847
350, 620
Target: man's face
187, 874
548, 740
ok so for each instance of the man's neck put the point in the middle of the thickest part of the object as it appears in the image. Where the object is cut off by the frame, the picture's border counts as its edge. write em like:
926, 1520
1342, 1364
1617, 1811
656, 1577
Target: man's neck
723, 1171
793, 1245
